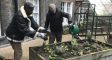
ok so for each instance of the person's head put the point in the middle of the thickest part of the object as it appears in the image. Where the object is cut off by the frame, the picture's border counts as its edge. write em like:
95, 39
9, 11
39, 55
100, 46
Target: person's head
52, 8
28, 8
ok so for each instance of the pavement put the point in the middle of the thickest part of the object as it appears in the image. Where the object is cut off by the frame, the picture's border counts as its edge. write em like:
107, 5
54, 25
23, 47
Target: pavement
3, 41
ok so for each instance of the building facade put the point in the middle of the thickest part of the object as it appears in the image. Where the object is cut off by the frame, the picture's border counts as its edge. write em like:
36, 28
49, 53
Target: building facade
40, 10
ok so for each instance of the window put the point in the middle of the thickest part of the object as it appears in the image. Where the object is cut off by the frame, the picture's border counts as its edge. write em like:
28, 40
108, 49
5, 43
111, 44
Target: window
66, 7
36, 9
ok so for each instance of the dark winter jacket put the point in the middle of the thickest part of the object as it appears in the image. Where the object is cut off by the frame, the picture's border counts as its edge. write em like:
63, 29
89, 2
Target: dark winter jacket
19, 27
55, 21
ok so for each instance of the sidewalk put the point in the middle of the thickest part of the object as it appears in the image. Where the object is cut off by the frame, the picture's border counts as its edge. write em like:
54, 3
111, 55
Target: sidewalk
3, 41
7, 52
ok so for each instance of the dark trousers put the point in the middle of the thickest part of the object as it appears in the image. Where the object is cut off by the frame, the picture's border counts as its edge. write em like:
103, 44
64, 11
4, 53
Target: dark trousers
53, 36
17, 50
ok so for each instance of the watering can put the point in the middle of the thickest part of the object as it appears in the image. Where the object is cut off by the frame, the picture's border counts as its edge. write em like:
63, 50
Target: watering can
74, 29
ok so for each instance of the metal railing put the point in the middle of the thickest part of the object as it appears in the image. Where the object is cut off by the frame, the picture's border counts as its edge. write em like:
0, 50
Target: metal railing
87, 19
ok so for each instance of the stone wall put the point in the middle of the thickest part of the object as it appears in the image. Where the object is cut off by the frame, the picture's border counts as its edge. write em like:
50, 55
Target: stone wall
7, 12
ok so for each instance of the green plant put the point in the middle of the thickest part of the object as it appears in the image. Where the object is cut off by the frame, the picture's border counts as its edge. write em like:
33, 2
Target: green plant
74, 42
54, 51
65, 30
73, 48
59, 50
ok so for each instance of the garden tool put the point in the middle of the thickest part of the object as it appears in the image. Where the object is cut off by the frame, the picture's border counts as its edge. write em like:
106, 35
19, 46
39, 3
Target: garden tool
74, 30
46, 38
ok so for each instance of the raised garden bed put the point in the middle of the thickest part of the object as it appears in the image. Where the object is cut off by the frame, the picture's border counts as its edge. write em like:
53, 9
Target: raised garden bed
82, 50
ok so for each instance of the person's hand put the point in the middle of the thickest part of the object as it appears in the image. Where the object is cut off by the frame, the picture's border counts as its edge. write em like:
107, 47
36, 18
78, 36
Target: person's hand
41, 29
69, 22
69, 25
43, 36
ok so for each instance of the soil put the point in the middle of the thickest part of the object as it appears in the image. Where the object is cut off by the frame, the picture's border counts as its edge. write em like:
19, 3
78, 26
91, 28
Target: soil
67, 50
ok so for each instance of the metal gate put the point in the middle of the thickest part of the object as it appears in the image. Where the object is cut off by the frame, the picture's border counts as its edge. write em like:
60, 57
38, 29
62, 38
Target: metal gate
87, 19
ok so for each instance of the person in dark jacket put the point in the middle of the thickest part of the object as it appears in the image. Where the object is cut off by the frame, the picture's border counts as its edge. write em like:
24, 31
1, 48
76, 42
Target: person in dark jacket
54, 19
23, 25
